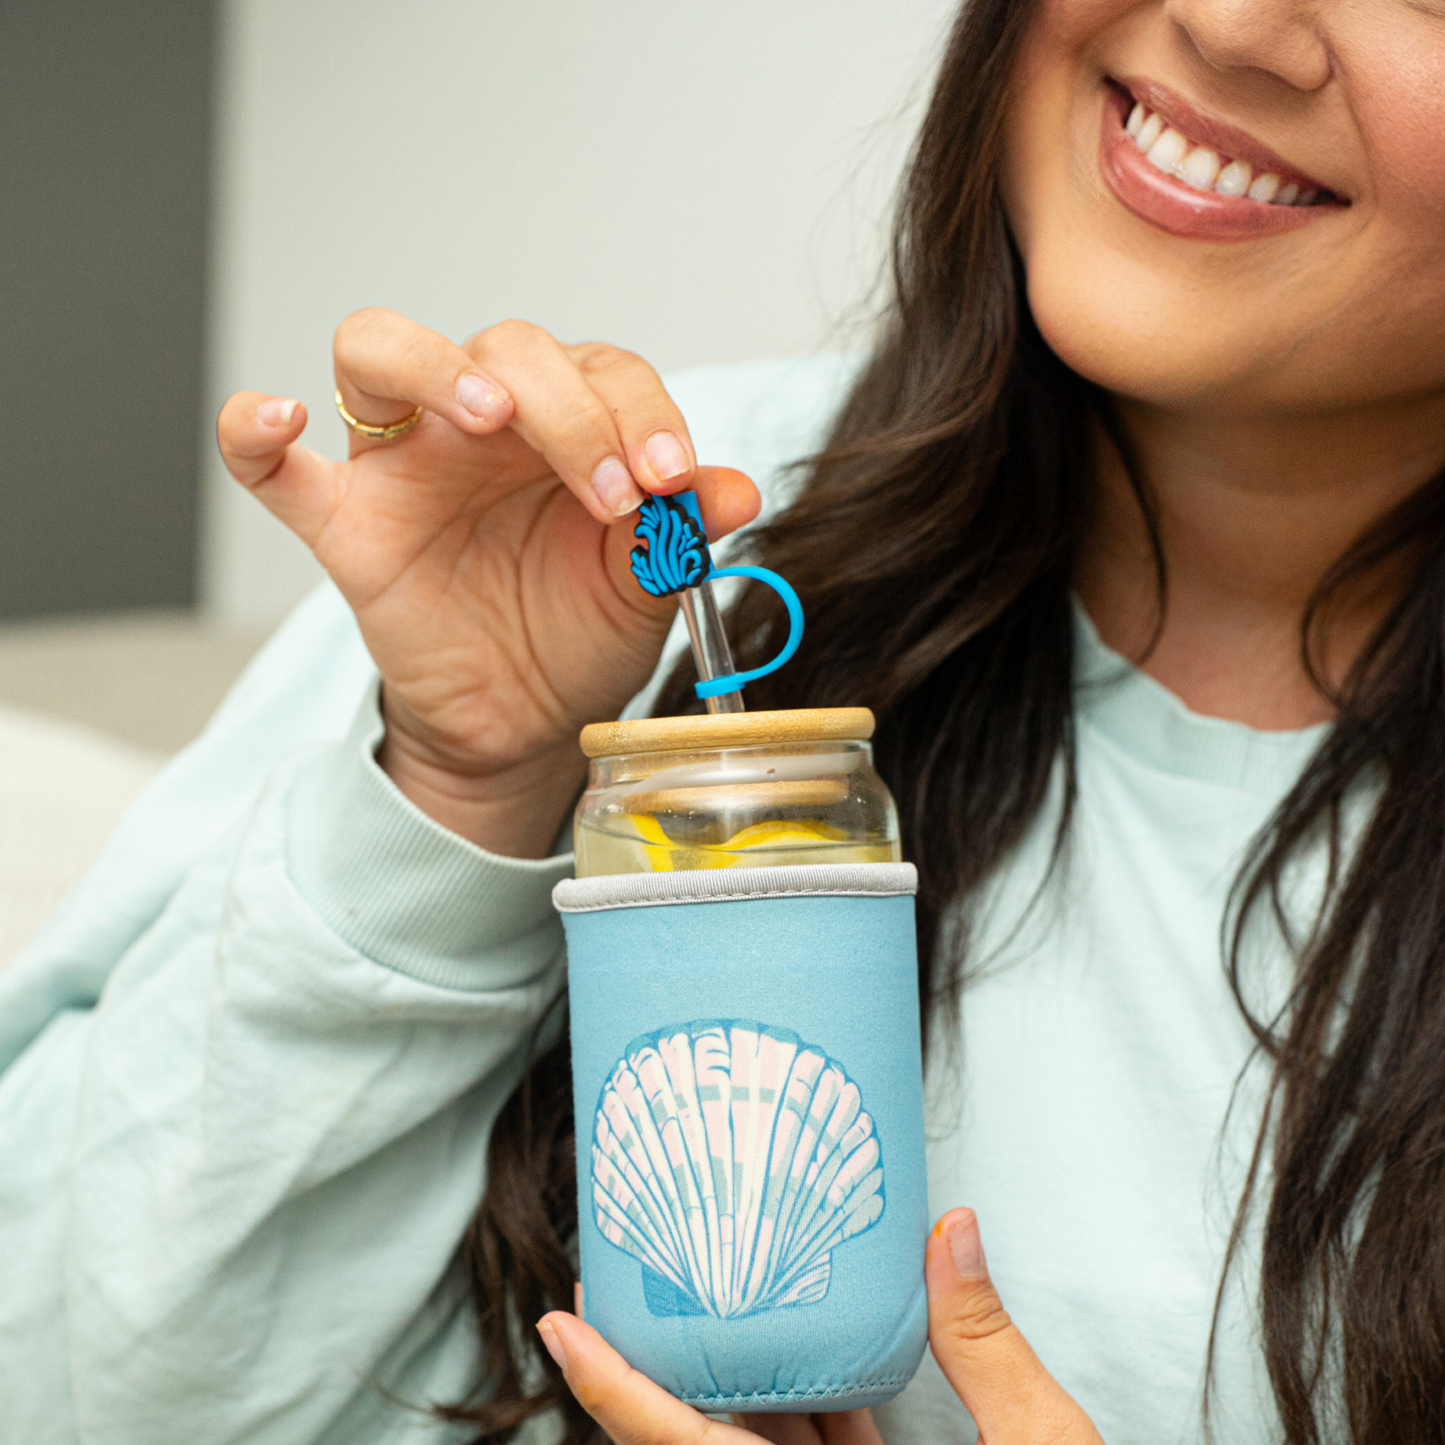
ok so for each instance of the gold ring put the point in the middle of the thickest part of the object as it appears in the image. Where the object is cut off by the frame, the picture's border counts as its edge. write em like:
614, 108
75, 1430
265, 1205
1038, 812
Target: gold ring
387, 433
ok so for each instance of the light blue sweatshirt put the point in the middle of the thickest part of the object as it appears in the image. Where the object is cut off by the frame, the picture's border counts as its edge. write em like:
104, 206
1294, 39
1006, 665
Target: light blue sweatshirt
250, 1068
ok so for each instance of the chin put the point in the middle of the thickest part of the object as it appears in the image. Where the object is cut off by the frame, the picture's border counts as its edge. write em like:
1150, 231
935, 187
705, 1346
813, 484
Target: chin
1124, 334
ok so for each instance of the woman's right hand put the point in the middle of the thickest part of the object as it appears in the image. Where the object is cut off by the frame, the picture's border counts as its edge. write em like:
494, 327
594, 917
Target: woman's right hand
480, 552
1009, 1395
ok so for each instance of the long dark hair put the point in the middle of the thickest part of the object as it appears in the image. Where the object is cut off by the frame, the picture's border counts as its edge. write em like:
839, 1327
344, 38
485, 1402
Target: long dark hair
933, 544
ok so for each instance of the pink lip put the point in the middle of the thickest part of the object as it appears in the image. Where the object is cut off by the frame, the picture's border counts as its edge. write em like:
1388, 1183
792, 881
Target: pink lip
1178, 208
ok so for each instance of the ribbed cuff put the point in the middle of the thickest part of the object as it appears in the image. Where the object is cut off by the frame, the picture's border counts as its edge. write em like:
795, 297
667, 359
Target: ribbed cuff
402, 889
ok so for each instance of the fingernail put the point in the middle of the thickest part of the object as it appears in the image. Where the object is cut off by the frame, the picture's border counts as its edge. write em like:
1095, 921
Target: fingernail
613, 483
553, 1345
666, 456
966, 1246
276, 411
482, 396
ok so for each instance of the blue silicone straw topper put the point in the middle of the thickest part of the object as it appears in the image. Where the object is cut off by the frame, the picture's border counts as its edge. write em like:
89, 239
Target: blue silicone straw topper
676, 560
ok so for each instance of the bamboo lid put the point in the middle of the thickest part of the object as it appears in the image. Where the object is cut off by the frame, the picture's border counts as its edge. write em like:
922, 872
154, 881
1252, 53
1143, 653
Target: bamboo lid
726, 730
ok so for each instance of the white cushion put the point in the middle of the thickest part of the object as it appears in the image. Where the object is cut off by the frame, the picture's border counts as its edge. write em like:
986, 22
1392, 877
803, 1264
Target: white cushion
62, 790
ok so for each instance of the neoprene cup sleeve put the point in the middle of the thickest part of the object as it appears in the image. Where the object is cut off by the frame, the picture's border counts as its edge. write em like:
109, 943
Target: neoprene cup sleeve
748, 1085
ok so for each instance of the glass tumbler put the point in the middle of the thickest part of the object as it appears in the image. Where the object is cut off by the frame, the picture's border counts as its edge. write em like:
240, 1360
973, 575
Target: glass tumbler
742, 969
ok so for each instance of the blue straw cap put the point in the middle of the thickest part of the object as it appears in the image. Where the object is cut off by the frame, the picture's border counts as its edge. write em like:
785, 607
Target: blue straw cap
676, 557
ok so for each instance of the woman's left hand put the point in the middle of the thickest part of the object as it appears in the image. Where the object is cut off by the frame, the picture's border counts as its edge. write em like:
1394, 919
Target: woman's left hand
1012, 1398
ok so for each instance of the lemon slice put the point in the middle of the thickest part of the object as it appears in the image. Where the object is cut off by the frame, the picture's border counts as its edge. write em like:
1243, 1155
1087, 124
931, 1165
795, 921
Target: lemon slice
657, 846
783, 833
666, 856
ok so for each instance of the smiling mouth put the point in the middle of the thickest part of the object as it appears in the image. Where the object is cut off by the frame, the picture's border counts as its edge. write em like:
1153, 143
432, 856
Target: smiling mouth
1178, 142
1195, 175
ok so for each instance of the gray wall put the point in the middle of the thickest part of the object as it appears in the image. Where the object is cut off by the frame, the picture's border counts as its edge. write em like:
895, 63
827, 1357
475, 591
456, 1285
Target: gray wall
104, 135
697, 180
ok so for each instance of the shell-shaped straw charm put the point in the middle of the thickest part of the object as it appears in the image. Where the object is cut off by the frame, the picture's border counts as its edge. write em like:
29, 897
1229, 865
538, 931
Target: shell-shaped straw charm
732, 1158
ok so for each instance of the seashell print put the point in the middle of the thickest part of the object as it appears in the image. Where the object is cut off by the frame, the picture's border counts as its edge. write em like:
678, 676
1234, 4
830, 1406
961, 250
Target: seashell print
731, 1159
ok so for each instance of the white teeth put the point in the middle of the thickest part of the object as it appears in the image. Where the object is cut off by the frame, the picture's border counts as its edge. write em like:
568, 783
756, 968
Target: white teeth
1206, 170
1149, 132
1234, 179
1200, 168
1265, 187
1168, 151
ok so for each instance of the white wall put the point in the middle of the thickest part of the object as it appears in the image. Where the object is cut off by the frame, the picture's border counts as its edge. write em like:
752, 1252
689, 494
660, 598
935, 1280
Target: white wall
697, 181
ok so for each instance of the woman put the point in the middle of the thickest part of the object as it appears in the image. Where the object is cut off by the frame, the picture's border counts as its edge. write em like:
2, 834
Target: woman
1167, 341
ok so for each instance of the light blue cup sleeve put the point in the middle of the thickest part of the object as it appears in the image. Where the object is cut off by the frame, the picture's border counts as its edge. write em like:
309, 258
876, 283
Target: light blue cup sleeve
748, 1088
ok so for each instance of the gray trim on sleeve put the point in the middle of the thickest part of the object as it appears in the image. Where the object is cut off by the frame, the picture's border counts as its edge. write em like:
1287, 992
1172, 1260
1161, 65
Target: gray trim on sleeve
721, 885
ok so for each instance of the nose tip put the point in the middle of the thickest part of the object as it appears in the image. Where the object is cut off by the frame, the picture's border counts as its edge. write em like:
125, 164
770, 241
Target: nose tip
1278, 39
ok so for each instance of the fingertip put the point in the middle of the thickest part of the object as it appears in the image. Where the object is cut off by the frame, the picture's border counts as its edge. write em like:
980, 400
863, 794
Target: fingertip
254, 433
552, 1341
237, 410
750, 497
559, 1322
485, 405
280, 413
729, 499
955, 1250
614, 491
965, 1245
951, 1219
670, 463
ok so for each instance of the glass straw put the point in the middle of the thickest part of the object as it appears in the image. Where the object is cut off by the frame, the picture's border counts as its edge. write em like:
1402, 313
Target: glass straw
710, 651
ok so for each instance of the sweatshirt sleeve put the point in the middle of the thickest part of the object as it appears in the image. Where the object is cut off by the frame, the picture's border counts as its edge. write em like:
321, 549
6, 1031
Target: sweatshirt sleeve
248, 1167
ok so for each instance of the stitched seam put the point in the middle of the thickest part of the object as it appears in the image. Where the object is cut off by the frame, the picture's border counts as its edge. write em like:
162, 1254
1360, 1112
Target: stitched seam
741, 898
828, 1392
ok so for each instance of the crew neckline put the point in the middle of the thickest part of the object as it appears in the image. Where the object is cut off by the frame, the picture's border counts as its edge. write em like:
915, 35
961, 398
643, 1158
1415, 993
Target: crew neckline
1153, 725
